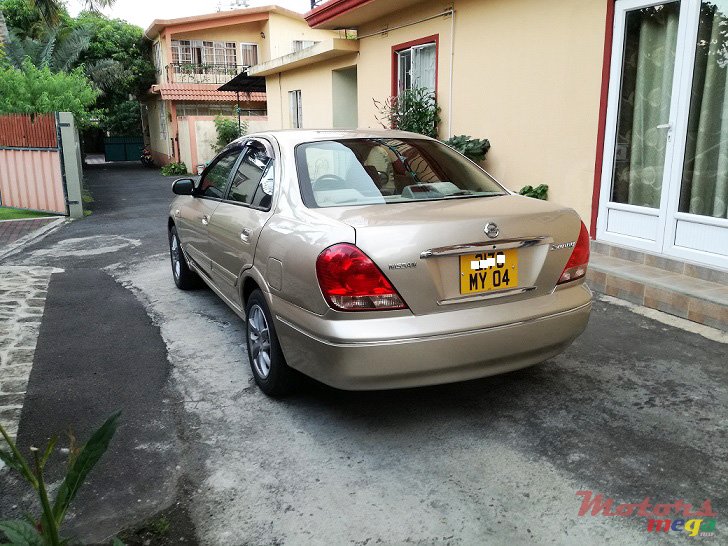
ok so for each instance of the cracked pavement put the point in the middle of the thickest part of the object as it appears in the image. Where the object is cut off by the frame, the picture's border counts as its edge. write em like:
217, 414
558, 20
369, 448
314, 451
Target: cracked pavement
635, 408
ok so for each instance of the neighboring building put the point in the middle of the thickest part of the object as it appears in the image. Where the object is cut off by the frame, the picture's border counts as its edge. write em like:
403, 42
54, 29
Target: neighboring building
196, 55
638, 147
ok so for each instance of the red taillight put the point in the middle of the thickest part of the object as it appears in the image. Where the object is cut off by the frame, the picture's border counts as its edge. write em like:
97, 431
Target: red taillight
351, 281
576, 266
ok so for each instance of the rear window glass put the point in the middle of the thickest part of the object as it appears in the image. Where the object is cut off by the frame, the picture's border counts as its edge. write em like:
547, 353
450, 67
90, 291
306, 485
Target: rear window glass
368, 171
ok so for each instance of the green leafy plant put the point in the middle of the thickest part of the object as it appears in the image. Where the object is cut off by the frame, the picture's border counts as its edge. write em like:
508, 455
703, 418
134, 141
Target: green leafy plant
539, 192
45, 530
414, 110
173, 169
472, 148
227, 131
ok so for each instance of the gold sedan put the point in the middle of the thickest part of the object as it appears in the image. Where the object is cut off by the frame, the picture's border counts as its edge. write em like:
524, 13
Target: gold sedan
378, 260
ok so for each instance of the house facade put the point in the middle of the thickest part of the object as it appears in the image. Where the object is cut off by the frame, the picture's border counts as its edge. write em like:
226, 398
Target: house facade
620, 106
194, 56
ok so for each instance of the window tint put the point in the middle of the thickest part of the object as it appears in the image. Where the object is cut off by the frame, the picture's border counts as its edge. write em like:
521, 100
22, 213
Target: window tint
215, 179
246, 186
378, 171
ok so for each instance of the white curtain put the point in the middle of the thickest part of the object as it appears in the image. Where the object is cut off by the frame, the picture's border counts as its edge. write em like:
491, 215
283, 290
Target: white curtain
423, 66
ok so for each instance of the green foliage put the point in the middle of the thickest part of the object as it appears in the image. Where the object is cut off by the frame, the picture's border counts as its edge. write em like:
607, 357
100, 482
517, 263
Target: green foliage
539, 192
44, 530
472, 148
227, 131
123, 119
412, 110
58, 49
26, 20
31, 90
124, 45
174, 169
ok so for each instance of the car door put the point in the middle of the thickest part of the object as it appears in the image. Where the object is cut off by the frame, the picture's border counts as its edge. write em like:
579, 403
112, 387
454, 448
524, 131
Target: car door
235, 226
194, 215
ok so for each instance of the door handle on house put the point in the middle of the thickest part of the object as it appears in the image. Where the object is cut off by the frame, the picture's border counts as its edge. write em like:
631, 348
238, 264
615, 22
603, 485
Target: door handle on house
245, 234
205, 220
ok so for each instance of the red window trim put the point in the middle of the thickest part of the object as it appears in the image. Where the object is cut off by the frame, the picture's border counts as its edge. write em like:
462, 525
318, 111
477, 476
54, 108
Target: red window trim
435, 38
601, 129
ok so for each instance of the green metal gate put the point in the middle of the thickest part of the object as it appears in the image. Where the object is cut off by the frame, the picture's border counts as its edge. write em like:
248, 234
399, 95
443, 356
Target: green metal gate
123, 148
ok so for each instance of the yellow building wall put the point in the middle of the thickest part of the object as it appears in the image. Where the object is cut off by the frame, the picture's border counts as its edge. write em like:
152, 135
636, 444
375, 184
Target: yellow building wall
526, 75
315, 83
284, 30
158, 142
248, 32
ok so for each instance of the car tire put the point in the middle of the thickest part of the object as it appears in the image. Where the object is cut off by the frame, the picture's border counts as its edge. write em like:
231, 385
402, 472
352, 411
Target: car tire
183, 276
274, 377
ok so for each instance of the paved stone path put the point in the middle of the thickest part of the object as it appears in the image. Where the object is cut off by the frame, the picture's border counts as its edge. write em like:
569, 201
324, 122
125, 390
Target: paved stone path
22, 300
12, 230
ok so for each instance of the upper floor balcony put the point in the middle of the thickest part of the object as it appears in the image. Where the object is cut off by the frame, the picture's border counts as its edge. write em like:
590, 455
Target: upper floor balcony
191, 73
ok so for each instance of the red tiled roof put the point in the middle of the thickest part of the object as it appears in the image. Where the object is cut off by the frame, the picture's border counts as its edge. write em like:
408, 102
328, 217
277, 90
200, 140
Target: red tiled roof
202, 92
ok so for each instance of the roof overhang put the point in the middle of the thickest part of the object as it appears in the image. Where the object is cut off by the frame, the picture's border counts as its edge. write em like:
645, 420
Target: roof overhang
200, 92
214, 20
338, 14
244, 83
322, 51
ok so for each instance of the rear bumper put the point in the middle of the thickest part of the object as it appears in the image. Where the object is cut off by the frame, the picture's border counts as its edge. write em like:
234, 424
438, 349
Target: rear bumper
396, 362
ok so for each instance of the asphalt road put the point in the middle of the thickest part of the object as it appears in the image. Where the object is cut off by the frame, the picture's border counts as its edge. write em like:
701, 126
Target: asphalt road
635, 408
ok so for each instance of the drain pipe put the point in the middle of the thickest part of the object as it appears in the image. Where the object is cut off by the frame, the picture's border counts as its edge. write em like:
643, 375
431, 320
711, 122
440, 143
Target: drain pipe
452, 62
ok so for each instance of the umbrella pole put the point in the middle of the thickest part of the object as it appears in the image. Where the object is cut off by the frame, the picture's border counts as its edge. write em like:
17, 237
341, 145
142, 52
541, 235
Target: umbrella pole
237, 94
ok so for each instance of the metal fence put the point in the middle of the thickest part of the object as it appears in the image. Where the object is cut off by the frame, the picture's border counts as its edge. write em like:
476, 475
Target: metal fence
202, 73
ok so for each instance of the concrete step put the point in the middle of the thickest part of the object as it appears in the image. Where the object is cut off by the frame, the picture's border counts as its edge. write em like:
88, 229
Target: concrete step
686, 290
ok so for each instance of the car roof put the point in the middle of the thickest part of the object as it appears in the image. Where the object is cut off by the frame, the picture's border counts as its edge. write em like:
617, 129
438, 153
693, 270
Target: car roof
292, 137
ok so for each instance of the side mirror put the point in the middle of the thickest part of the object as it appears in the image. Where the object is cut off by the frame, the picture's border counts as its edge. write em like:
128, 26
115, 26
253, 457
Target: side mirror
183, 186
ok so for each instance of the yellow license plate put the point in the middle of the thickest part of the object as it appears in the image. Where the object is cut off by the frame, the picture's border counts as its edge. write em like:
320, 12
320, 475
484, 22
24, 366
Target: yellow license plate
486, 271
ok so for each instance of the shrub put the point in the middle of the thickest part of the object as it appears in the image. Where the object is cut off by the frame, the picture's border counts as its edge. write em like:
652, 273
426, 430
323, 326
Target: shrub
44, 530
227, 131
539, 192
472, 148
412, 110
173, 169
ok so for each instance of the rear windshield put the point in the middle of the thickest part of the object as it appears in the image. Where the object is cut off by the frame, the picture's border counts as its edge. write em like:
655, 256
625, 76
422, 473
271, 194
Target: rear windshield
370, 171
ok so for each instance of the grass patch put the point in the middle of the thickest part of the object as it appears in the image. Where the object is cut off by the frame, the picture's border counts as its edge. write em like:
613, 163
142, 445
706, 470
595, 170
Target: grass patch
9, 213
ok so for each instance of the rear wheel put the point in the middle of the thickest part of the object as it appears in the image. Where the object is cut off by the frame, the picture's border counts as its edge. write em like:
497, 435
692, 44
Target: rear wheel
271, 373
184, 277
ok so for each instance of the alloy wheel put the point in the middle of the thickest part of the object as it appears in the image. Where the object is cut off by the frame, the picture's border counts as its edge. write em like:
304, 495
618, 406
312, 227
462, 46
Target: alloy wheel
259, 341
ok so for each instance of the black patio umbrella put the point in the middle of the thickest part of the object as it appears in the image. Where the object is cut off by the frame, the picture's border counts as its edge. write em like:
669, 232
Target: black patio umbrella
242, 83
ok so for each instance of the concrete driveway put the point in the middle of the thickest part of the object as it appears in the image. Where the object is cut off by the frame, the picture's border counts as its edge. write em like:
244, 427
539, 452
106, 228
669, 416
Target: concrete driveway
636, 408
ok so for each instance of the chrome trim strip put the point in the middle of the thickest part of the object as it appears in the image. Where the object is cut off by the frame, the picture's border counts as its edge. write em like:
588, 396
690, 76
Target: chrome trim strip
427, 338
478, 246
488, 295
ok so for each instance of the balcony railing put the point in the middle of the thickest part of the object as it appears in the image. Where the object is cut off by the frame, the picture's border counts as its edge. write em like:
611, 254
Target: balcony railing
203, 73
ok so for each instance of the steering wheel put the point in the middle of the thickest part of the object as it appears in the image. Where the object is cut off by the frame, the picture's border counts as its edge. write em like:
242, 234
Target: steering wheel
328, 182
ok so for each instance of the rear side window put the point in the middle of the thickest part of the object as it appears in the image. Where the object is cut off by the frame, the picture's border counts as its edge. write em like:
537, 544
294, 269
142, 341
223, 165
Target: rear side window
381, 171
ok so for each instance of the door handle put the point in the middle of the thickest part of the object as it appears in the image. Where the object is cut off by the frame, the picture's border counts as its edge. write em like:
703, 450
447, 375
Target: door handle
245, 234
205, 220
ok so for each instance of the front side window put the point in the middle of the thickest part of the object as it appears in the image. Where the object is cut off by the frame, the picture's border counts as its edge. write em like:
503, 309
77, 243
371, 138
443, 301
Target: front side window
215, 179
252, 181
384, 170
416, 67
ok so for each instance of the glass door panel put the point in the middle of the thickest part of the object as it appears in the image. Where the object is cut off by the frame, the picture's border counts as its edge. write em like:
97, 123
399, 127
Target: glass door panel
645, 98
704, 184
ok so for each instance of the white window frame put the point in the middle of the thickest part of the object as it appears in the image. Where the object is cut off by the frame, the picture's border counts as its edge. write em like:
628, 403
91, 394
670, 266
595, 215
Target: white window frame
295, 108
413, 54
242, 54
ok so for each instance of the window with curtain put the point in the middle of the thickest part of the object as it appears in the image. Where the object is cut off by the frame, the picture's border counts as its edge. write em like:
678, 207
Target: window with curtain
249, 54
704, 188
294, 101
644, 105
204, 52
417, 66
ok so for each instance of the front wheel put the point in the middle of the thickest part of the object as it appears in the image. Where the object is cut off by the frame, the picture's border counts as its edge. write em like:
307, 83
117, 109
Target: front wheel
184, 277
272, 374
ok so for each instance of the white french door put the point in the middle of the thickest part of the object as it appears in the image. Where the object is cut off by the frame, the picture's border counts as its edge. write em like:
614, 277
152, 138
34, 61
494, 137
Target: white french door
665, 171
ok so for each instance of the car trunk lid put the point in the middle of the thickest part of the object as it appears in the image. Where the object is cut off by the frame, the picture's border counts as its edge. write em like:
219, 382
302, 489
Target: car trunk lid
437, 254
